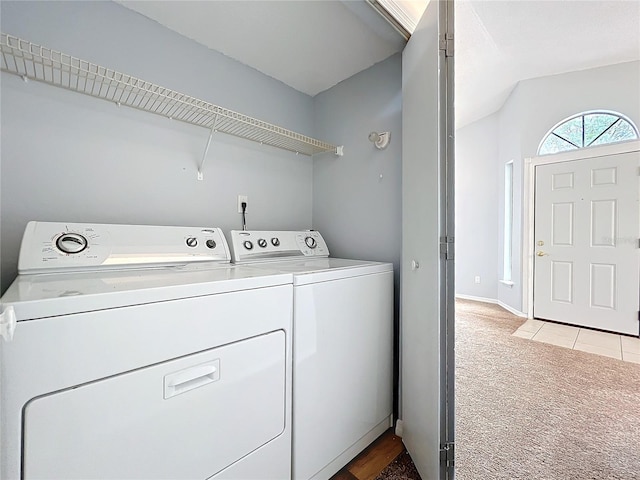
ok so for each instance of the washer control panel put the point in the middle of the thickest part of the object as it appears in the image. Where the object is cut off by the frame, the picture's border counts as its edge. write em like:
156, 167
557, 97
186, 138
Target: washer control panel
60, 247
261, 246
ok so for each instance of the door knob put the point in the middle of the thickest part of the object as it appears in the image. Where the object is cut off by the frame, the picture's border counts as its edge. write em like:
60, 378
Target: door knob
540, 253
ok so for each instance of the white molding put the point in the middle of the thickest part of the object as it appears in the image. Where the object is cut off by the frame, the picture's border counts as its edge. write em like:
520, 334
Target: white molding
528, 203
493, 301
512, 310
528, 241
403, 14
589, 152
477, 299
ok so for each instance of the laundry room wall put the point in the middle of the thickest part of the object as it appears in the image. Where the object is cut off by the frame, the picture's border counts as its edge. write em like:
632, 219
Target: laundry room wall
357, 202
357, 198
69, 157
530, 111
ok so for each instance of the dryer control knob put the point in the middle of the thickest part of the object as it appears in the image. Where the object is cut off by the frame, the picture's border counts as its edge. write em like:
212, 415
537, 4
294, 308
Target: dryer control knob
262, 243
275, 241
210, 243
71, 243
311, 242
248, 245
192, 241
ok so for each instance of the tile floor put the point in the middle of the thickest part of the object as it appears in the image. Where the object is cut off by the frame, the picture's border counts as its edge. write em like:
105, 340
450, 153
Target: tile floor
601, 343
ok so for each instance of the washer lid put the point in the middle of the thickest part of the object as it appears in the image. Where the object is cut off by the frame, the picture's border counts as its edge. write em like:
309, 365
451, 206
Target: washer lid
314, 270
47, 295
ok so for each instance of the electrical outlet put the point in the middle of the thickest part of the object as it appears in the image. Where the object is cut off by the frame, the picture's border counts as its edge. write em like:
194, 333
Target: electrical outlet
241, 199
477, 279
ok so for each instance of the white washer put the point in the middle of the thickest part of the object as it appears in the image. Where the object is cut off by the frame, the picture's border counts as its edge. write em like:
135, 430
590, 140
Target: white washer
342, 346
146, 355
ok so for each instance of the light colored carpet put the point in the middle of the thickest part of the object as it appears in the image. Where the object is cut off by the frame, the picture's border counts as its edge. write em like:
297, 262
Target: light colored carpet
528, 410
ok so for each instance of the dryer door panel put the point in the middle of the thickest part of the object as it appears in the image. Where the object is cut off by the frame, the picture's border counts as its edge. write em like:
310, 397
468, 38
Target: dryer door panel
186, 418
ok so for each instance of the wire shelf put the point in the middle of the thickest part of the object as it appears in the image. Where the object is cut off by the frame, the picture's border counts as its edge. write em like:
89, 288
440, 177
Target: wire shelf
28, 60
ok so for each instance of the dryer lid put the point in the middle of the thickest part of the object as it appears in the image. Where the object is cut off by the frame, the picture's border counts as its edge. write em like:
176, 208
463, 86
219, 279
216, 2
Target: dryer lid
71, 247
48, 295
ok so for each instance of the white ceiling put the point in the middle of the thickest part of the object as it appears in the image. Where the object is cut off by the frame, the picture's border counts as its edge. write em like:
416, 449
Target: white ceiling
499, 43
309, 45
313, 45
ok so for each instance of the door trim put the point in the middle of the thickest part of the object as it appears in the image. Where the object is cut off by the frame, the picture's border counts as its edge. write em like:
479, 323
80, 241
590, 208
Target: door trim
528, 204
447, 241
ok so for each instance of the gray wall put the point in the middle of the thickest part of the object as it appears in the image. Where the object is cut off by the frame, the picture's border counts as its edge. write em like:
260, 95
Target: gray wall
477, 186
513, 122
615, 87
357, 197
533, 108
67, 157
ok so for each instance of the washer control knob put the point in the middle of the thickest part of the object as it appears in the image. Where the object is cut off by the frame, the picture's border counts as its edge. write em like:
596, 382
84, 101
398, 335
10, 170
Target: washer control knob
192, 241
248, 245
262, 243
210, 243
311, 242
71, 243
275, 241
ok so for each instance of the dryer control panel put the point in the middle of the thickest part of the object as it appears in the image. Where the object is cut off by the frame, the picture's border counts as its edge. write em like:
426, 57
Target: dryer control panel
264, 245
49, 247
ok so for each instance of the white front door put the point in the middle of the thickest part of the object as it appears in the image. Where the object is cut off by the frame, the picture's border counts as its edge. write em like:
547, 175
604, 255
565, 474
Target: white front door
426, 385
587, 229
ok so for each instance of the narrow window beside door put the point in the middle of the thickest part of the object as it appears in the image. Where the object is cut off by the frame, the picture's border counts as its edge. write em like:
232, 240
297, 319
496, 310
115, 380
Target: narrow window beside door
508, 224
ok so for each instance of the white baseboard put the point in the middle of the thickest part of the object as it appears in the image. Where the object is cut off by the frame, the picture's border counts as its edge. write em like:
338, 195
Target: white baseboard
512, 310
477, 299
399, 426
494, 301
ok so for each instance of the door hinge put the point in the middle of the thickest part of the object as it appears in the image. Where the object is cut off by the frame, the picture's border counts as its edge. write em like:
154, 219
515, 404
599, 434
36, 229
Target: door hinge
7, 323
447, 248
447, 453
446, 44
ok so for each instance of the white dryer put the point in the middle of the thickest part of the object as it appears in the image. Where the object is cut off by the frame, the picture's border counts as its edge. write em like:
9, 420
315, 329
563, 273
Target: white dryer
342, 346
141, 352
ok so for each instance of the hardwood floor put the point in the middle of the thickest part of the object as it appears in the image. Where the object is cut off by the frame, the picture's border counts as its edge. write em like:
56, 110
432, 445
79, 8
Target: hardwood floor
374, 459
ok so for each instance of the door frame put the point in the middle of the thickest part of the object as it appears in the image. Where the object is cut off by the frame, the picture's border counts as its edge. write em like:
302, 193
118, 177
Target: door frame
528, 204
447, 241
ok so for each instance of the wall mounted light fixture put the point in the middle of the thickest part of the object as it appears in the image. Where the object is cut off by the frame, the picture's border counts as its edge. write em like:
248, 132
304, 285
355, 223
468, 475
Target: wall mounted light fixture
380, 140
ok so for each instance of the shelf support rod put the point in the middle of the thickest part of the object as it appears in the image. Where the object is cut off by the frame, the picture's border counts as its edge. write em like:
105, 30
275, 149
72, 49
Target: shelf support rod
206, 149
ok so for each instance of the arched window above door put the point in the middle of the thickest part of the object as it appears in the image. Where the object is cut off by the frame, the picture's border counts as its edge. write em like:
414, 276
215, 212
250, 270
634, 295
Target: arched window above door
587, 130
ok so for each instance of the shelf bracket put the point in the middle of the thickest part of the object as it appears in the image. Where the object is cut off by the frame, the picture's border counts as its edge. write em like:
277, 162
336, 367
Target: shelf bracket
206, 149
340, 151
